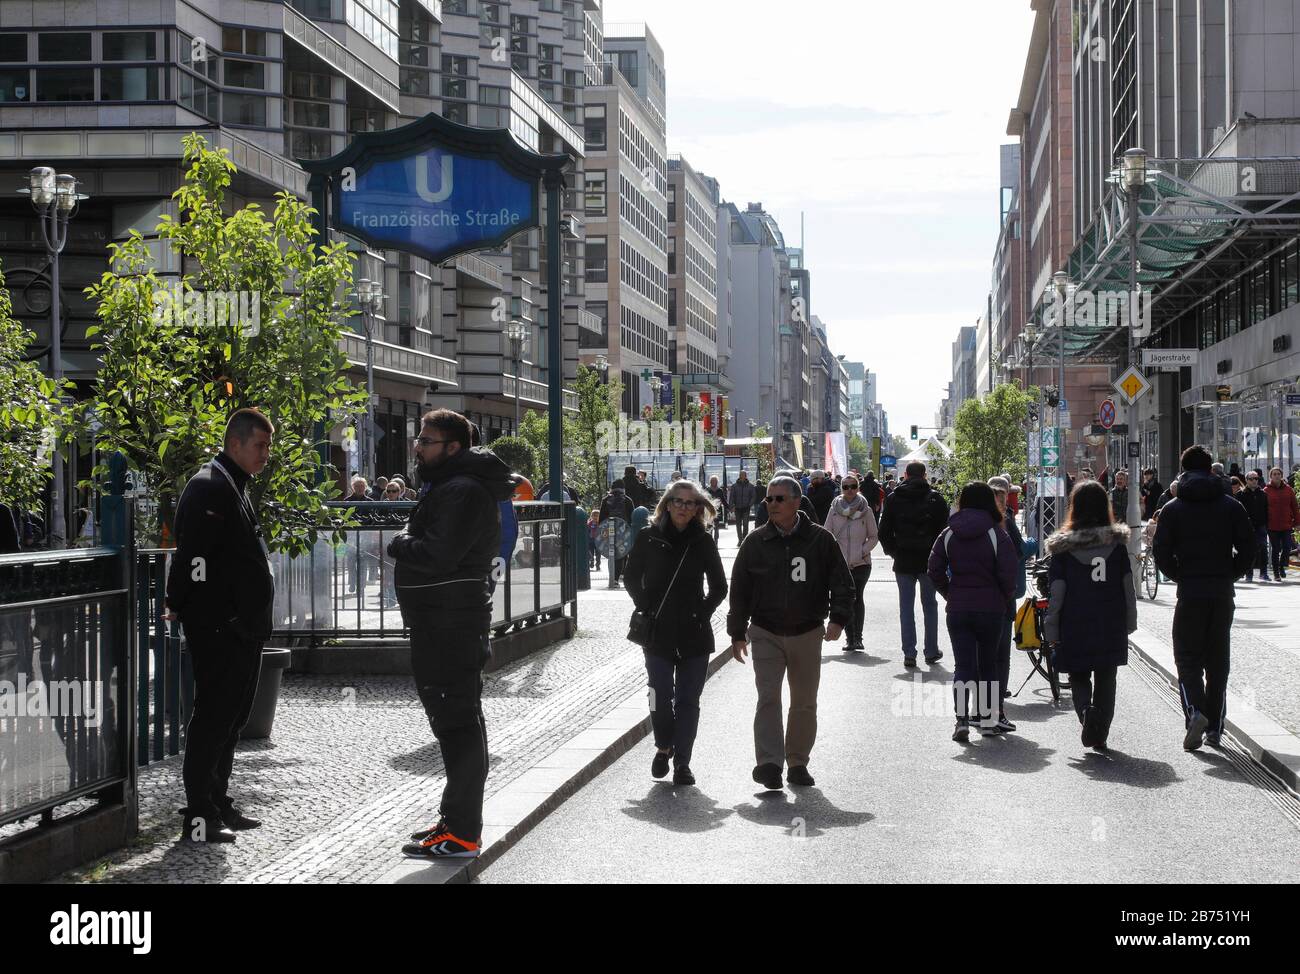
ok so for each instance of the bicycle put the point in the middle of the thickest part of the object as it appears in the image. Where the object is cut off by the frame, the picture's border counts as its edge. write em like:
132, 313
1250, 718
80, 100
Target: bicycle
1150, 573
1042, 657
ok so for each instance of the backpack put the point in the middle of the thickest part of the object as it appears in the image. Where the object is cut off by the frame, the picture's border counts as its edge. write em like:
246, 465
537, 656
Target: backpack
1026, 626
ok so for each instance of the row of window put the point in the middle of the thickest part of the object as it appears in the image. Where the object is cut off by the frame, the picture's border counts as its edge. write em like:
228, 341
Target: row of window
375, 20
697, 361
701, 317
641, 335
636, 209
82, 84
1258, 294
701, 268
641, 152
703, 220
642, 275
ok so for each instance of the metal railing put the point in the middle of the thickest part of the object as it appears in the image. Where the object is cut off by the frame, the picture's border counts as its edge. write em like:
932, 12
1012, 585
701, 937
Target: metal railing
65, 660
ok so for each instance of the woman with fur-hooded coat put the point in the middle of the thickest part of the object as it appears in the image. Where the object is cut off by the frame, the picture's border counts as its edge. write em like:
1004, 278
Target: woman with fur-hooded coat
1092, 608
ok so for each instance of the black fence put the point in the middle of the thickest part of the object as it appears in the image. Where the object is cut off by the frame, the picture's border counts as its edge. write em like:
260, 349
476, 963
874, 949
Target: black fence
65, 687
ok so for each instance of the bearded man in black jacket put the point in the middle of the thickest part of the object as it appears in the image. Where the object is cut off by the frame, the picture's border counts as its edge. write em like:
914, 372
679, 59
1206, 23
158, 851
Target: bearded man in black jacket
221, 588
444, 559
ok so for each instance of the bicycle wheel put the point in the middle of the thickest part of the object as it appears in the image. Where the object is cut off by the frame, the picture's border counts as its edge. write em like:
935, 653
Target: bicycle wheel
1150, 577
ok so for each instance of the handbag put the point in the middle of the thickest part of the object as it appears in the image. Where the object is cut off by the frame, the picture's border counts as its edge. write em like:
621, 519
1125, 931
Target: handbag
641, 627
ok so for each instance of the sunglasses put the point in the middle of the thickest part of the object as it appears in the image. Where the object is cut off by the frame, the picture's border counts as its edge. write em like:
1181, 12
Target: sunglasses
775, 499
849, 486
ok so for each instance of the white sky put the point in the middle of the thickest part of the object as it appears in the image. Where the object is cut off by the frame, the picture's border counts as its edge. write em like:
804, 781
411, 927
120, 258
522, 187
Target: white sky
879, 121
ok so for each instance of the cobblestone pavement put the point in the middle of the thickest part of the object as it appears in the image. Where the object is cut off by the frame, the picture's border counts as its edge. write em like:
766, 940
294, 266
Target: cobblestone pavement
352, 766
1265, 643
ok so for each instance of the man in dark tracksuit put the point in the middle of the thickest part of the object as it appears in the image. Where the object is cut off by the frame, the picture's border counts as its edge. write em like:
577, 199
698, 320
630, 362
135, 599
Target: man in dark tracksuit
221, 588
445, 559
1203, 542
788, 576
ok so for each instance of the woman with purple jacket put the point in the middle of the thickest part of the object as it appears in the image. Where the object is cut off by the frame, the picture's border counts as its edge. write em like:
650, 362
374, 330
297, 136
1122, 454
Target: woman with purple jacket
973, 566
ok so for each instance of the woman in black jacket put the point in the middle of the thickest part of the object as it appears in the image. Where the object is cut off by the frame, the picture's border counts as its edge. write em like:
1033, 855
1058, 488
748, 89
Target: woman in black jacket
677, 543
1093, 607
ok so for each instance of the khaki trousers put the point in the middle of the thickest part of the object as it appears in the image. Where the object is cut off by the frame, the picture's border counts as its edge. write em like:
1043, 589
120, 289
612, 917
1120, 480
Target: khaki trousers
775, 656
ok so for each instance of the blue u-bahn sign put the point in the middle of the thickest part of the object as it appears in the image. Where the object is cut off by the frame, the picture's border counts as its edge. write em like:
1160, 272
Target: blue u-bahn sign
432, 188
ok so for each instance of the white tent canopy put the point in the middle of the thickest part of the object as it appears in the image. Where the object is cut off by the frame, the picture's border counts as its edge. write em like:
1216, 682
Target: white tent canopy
932, 448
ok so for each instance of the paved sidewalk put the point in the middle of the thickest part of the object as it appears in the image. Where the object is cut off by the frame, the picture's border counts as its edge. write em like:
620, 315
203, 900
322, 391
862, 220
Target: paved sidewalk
897, 801
352, 766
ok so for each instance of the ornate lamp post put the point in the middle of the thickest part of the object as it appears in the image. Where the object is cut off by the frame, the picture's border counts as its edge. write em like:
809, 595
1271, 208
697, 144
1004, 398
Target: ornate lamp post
55, 199
1133, 176
517, 335
370, 297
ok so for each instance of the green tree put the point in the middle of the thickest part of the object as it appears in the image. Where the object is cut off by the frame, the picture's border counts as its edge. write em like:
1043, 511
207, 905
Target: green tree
763, 454
30, 420
584, 461
517, 453
989, 436
898, 446
172, 373
859, 453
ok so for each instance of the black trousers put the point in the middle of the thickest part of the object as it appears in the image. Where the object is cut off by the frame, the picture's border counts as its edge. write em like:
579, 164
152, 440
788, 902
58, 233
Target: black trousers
1202, 636
860, 576
448, 668
742, 522
675, 688
226, 668
1095, 689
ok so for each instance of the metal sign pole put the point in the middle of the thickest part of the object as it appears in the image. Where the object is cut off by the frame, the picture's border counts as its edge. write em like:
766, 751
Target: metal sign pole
554, 181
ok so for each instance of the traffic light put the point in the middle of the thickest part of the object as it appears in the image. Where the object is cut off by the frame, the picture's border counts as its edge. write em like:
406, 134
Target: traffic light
915, 430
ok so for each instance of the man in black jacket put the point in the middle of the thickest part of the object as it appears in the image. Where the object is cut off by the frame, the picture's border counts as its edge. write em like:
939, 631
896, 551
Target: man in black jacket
788, 575
1151, 491
617, 507
1203, 542
1254, 500
915, 514
742, 498
445, 558
822, 494
221, 588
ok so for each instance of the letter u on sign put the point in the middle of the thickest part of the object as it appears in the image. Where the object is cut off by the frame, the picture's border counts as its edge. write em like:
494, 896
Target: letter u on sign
422, 179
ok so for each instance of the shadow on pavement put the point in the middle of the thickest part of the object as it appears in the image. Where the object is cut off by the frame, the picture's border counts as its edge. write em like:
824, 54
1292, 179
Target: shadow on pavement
804, 813
176, 858
1035, 712
678, 809
1006, 752
1124, 769
1220, 766
854, 659
931, 674
426, 760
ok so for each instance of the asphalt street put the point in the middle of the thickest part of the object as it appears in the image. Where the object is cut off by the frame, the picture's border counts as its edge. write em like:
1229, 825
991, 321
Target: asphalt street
897, 801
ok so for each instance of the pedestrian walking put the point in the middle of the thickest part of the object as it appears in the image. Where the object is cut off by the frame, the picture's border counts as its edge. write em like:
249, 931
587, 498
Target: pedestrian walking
1001, 490
637, 490
666, 572
821, 495
760, 507
221, 587
1150, 493
593, 541
742, 498
1255, 501
1203, 542
871, 492
1283, 519
1092, 607
914, 516
1119, 497
616, 507
444, 558
719, 498
788, 576
853, 523
973, 565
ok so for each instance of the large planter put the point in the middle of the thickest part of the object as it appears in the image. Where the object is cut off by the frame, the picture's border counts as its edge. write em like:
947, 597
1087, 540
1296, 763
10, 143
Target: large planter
275, 660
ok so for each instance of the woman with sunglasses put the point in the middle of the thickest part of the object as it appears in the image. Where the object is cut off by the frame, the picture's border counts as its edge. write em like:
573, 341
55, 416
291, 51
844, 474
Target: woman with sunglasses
665, 575
853, 523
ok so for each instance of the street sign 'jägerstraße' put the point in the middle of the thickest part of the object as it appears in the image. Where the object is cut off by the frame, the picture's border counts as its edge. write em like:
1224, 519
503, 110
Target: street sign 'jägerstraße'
1169, 357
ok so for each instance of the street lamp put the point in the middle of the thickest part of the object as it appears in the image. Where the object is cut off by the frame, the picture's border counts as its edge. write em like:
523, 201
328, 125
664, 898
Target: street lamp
656, 384
602, 363
55, 199
1133, 176
517, 334
370, 297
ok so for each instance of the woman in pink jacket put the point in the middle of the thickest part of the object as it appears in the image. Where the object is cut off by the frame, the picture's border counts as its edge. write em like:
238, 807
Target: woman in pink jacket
853, 523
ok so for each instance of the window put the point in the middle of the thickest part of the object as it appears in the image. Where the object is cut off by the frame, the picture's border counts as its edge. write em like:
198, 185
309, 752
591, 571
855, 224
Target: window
597, 260
13, 47
198, 96
243, 109
594, 134
77, 84
307, 84
311, 114
130, 46
128, 84
15, 86
245, 74
627, 66
455, 88
415, 82
237, 41
596, 197
456, 112
64, 47
490, 12
458, 66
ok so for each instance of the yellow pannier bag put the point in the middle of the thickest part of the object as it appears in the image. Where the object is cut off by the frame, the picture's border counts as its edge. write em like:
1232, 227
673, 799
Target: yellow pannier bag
1026, 629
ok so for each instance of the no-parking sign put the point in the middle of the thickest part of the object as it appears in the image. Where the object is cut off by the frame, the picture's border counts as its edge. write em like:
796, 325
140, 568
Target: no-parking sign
1106, 414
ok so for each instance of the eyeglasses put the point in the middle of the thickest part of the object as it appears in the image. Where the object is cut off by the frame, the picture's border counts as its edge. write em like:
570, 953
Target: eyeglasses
392, 491
683, 502
775, 499
425, 441
849, 486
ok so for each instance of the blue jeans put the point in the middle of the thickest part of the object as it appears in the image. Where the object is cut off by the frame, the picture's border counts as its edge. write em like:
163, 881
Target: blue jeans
907, 585
675, 704
975, 637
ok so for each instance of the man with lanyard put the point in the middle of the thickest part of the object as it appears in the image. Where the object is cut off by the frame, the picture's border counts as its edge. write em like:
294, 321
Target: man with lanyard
221, 588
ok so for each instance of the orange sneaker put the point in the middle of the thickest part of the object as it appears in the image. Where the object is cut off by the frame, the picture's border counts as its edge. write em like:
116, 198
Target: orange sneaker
441, 845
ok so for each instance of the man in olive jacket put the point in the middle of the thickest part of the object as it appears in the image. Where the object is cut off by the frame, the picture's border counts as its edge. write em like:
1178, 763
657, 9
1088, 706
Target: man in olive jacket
788, 575
221, 588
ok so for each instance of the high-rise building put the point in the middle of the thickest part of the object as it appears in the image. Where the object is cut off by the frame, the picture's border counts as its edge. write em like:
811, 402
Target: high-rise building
857, 380
760, 282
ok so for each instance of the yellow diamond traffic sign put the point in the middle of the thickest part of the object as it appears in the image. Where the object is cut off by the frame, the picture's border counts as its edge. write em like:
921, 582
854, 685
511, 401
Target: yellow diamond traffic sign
1132, 385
